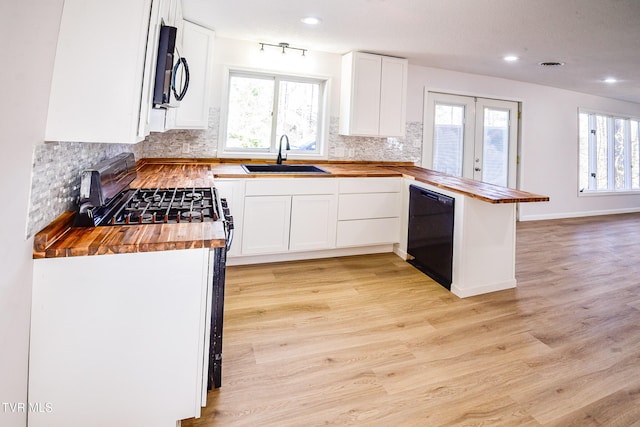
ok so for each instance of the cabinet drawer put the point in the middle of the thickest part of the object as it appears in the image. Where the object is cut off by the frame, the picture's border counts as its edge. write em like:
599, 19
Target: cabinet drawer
369, 185
278, 187
364, 232
371, 205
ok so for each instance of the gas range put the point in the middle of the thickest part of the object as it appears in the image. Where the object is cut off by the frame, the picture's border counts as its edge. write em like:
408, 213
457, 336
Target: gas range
106, 199
158, 206
169, 205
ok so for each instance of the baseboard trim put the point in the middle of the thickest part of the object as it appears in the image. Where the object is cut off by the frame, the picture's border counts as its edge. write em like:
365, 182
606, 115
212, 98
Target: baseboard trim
297, 256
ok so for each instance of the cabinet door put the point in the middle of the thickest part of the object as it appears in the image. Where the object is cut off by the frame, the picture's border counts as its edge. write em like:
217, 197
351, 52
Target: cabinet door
369, 205
266, 225
366, 94
193, 112
99, 73
313, 222
364, 232
393, 89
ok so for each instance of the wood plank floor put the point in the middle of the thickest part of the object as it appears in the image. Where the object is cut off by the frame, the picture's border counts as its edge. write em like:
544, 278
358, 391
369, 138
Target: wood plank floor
371, 341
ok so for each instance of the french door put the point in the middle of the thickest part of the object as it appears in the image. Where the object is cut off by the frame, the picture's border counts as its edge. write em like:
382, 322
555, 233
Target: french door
471, 137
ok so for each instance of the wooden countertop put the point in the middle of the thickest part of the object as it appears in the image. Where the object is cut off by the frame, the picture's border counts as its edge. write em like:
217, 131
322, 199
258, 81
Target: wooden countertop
192, 170
59, 239
475, 189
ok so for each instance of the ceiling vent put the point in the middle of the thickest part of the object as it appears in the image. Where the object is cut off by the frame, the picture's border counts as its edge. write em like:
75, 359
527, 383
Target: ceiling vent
551, 64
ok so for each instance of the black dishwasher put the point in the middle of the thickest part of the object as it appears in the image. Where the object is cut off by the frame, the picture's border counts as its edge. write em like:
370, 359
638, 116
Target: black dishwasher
430, 240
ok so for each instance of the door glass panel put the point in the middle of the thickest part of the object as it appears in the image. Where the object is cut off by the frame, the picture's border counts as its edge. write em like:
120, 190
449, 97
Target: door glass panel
495, 155
448, 138
635, 156
619, 153
602, 169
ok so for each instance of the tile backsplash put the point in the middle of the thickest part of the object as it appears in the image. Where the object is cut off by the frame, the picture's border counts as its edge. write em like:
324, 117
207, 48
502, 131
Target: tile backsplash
57, 165
204, 144
55, 179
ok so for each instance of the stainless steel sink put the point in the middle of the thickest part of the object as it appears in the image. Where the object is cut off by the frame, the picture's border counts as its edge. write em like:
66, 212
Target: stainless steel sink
276, 168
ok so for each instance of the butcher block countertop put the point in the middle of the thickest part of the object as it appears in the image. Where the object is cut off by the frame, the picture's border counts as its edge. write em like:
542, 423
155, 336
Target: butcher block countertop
60, 239
223, 168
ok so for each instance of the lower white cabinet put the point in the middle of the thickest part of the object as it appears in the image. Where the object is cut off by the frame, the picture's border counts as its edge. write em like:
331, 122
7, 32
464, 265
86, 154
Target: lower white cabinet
276, 216
368, 211
119, 339
276, 224
313, 222
364, 232
266, 225
289, 215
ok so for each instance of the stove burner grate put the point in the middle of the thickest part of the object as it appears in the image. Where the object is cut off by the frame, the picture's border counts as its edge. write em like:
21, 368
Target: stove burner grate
166, 205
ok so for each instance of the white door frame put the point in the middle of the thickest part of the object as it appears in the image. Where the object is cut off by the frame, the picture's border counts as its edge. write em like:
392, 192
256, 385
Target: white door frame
472, 132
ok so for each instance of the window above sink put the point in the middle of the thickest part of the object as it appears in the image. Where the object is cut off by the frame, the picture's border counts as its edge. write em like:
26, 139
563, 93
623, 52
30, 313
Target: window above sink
262, 107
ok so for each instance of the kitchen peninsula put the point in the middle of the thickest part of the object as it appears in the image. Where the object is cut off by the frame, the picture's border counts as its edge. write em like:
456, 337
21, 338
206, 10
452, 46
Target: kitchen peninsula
485, 214
484, 231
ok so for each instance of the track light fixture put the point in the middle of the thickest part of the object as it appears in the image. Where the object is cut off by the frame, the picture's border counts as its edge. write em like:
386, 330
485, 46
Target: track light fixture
283, 46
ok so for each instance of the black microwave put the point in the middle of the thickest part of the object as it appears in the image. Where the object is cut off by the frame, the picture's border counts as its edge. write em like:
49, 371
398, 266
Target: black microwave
172, 71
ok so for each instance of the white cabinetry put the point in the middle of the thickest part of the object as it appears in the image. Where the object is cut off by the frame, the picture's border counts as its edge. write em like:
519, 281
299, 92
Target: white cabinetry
103, 72
282, 215
368, 211
266, 224
193, 111
120, 339
373, 95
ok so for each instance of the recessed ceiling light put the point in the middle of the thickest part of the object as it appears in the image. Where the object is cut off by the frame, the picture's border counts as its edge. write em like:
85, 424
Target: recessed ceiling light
610, 80
510, 58
311, 20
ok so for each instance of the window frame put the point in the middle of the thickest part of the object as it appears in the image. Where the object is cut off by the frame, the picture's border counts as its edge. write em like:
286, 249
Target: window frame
629, 166
267, 153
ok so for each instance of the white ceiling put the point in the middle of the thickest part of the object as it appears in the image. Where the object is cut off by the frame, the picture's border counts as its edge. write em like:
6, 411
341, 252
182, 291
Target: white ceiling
594, 38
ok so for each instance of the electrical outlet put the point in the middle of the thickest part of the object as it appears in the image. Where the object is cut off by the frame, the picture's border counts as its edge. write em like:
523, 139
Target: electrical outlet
339, 152
352, 153
185, 148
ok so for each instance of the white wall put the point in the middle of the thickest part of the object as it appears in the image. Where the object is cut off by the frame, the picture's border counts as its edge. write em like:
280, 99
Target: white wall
549, 152
243, 54
30, 30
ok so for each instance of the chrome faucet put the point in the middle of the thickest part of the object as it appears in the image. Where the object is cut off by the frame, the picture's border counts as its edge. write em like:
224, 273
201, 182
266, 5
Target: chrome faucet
287, 148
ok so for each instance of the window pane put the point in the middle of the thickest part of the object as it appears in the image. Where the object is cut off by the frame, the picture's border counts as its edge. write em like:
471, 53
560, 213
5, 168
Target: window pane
635, 156
619, 153
602, 172
495, 157
448, 135
298, 107
583, 134
250, 106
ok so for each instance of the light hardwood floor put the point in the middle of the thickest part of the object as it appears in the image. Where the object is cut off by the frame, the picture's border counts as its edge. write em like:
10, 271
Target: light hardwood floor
371, 341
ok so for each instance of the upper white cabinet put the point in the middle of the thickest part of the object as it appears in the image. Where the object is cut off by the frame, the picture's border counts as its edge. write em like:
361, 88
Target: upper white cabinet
373, 95
193, 112
102, 78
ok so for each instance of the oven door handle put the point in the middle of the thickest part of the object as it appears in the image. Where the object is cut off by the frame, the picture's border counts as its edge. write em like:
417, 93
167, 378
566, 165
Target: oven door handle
228, 228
